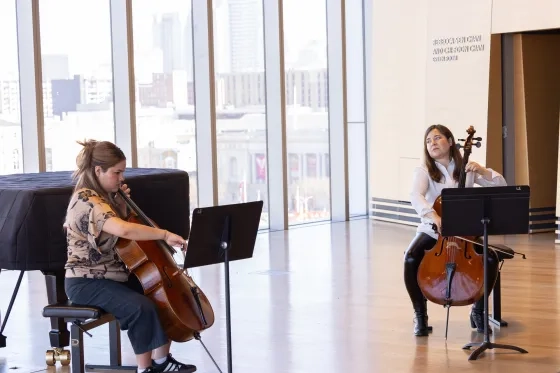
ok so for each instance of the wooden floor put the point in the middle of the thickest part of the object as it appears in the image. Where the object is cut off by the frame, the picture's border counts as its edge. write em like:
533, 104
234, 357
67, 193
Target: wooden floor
330, 298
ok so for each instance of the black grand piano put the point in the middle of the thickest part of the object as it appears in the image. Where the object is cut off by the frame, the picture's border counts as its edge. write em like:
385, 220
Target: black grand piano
32, 211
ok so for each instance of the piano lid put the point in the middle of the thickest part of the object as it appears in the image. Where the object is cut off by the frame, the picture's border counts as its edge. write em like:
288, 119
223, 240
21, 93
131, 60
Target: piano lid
33, 207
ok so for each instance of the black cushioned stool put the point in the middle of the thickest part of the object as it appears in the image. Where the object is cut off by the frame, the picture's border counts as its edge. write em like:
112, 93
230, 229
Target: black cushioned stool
84, 318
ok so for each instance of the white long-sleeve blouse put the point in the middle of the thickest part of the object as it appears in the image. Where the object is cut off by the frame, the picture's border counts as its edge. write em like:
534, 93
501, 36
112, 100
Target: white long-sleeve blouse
425, 190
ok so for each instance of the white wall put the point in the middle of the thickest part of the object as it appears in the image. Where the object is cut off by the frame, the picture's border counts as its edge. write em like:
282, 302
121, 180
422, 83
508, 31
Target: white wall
458, 68
524, 15
397, 99
410, 91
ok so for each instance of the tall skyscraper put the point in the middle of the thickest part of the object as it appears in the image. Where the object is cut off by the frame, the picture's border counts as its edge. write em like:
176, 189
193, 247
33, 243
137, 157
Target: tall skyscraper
246, 35
173, 37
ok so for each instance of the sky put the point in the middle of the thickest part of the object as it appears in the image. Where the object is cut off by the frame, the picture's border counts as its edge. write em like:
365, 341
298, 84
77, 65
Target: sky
81, 28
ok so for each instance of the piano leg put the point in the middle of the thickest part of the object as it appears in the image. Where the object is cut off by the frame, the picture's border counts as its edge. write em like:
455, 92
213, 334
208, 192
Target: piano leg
59, 335
14, 294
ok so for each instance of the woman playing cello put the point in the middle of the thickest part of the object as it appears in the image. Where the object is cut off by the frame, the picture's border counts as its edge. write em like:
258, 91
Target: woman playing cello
441, 169
95, 276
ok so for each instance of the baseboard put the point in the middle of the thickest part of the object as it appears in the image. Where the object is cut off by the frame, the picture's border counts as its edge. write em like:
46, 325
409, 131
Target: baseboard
542, 219
400, 212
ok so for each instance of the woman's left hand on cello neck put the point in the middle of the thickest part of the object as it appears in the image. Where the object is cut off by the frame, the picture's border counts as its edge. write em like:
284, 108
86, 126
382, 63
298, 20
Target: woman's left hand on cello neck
481, 170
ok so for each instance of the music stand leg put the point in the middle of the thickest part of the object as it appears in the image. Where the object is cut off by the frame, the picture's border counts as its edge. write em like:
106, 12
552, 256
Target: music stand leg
487, 345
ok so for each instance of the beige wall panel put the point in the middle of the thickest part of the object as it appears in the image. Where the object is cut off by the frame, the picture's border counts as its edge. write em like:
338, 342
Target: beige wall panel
521, 150
457, 70
541, 58
494, 148
398, 91
524, 15
558, 182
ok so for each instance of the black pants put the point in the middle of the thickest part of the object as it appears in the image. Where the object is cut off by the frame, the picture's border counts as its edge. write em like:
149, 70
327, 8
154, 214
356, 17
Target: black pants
126, 301
412, 258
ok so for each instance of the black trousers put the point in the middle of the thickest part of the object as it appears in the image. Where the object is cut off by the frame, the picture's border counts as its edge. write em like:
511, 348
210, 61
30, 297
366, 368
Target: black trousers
412, 258
135, 312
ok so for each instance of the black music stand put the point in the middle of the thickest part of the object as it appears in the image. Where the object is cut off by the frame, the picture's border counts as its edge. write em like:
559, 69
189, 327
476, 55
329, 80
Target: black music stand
483, 212
220, 234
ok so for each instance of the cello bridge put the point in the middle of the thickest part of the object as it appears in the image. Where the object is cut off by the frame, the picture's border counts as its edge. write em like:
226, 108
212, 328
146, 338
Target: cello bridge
452, 245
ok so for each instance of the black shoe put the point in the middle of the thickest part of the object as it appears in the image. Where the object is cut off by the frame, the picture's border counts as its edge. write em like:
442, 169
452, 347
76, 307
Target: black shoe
477, 321
421, 328
170, 365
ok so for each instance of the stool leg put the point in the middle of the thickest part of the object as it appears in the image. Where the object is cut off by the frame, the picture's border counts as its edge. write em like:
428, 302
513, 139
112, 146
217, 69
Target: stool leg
496, 316
114, 352
115, 343
77, 349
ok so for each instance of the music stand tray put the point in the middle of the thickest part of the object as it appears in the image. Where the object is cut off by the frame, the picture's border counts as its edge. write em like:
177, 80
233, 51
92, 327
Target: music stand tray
221, 234
482, 212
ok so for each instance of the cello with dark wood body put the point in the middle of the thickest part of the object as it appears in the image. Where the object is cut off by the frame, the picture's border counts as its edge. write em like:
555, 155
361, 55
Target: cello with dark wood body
452, 272
183, 308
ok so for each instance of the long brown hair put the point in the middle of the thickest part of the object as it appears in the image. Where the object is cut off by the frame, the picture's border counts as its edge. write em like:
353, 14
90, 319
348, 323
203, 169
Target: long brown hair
454, 154
94, 153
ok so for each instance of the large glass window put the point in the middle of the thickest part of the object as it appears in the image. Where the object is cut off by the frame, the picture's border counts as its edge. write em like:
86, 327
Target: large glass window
355, 109
78, 97
163, 67
307, 117
240, 103
77, 77
11, 157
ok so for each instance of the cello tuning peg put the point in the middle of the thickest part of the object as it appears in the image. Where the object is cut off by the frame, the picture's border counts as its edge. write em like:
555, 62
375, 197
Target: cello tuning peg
459, 146
478, 138
477, 144
460, 139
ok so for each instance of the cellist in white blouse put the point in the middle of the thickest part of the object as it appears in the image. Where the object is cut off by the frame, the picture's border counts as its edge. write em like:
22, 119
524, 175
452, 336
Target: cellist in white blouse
441, 169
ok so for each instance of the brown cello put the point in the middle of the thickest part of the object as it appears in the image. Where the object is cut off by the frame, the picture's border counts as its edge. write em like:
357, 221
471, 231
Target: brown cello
452, 272
183, 308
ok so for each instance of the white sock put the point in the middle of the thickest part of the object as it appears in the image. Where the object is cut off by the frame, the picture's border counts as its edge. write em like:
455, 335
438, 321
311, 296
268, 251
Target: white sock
140, 370
161, 360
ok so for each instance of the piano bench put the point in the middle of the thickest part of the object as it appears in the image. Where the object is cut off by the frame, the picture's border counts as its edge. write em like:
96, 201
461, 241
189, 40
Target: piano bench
72, 312
83, 319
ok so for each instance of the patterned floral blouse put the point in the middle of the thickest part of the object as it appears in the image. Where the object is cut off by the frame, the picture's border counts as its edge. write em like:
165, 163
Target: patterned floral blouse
91, 252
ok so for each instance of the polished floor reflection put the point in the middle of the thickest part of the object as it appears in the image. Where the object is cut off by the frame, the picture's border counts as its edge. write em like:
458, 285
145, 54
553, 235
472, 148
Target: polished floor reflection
330, 298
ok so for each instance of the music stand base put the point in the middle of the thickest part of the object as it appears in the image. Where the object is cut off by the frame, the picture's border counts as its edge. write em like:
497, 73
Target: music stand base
489, 346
